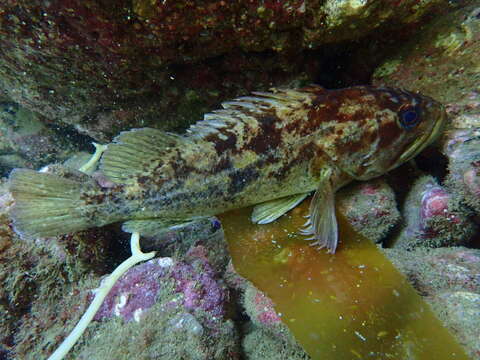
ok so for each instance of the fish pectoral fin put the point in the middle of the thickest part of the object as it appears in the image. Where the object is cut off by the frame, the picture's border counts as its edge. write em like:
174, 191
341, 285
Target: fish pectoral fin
158, 227
272, 210
322, 223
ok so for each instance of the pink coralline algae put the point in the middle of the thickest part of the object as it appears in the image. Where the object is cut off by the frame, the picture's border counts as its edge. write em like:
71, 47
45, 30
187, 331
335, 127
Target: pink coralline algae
260, 308
370, 207
143, 286
265, 312
197, 281
463, 150
135, 292
433, 218
434, 203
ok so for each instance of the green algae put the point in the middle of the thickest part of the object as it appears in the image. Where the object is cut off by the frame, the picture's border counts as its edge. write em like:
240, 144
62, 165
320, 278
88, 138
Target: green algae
351, 305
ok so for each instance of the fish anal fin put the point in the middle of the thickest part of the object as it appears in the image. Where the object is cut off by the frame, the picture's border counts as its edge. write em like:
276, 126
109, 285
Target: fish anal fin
271, 210
322, 223
158, 227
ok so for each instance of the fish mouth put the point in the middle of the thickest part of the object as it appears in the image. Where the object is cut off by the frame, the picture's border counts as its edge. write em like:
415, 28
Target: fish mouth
423, 141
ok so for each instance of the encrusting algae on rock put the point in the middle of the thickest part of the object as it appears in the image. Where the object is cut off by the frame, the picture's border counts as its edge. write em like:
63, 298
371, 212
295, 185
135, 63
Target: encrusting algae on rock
271, 149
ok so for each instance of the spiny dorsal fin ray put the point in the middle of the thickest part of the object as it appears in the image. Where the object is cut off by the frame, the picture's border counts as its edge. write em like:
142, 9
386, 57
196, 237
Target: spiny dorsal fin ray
247, 109
134, 152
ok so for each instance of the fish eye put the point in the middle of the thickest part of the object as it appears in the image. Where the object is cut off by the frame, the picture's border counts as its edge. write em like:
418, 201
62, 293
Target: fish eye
409, 117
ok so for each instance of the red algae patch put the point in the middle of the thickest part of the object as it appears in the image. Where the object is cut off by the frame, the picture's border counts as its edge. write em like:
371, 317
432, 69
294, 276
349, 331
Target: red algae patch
350, 305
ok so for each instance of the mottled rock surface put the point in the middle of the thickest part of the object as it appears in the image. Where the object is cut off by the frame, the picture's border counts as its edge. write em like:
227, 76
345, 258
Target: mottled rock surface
443, 62
106, 65
463, 151
370, 207
259, 344
26, 140
433, 218
449, 279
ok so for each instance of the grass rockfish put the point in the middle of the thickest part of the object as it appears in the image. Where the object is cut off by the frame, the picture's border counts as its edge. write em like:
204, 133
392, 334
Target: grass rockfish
269, 149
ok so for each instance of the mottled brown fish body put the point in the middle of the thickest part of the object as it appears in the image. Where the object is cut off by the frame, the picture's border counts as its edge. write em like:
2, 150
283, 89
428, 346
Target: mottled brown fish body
273, 145
258, 148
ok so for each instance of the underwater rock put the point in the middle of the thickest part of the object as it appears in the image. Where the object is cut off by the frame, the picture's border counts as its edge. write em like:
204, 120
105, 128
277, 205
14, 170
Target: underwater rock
460, 311
463, 151
177, 310
370, 207
199, 284
260, 309
265, 325
440, 61
266, 336
206, 235
13, 287
55, 308
161, 335
105, 66
432, 271
164, 308
349, 19
234, 280
432, 218
443, 62
259, 344
449, 279
135, 292
196, 285
25, 141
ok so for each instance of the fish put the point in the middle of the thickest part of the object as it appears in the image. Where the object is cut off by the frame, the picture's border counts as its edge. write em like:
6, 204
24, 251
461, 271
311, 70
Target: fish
270, 149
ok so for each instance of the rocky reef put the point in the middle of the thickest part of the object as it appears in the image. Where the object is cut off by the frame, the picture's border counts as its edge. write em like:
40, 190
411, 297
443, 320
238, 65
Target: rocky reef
370, 207
448, 279
76, 71
433, 218
105, 66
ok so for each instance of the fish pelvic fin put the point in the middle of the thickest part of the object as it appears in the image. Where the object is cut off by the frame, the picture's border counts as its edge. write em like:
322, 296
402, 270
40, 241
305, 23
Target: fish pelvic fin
49, 205
322, 222
271, 210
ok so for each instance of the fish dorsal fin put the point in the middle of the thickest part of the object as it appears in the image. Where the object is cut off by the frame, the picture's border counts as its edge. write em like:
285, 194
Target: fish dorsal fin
134, 152
247, 110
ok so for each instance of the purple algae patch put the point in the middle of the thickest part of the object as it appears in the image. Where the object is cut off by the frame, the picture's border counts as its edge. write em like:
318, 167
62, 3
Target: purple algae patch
140, 288
134, 292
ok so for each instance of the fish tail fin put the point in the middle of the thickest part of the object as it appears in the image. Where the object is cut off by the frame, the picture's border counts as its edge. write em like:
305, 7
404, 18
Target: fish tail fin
49, 205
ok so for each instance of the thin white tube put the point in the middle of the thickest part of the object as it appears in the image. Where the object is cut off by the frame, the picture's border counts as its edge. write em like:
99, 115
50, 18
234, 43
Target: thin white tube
100, 294
92, 163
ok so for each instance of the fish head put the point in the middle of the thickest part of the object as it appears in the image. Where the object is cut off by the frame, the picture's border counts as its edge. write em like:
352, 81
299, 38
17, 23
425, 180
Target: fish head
399, 125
